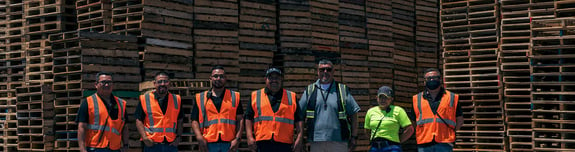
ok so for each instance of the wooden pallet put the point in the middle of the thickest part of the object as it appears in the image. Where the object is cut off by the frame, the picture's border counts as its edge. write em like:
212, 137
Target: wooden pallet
94, 16
209, 29
324, 26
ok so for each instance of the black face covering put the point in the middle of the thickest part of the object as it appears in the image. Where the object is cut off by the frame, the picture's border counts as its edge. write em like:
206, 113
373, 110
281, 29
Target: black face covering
432, 84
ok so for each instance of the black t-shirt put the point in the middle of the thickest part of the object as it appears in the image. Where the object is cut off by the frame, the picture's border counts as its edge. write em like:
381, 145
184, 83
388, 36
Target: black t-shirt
162, 101
275, 101
113, 109
195, 116
434, 104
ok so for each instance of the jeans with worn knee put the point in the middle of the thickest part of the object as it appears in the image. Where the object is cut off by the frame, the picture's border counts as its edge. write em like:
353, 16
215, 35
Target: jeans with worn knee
163, 147
442, 147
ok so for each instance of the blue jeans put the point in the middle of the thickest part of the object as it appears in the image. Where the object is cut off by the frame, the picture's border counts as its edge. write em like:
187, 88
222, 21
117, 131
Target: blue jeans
442, 147
100, 150
160, 147
219, 146
392, 148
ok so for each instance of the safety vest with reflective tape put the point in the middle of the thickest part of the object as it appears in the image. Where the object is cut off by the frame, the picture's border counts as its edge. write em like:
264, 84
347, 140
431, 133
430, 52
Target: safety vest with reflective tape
103, 132
159, 125
342, 114
216, 124
268, 124
440, 126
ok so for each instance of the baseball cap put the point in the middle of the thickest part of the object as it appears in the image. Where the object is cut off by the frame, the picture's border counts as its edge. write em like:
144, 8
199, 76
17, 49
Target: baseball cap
272, 70
385, 90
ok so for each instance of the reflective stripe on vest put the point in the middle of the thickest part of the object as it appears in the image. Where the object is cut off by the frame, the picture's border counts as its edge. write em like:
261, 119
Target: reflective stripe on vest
151, 117
103, 128
211, 122
422, 121
341, 114
271, 118
96, 125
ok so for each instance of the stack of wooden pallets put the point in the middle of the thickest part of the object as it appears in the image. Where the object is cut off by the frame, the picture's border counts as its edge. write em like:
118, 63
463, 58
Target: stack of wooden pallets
514, 57
216, 38
471, 67
379, 24
78, 56
94, 15
405, 76
354, 52
12, 68
552, 77
294, 41
165, 27
42, 19
35, 112
257, 40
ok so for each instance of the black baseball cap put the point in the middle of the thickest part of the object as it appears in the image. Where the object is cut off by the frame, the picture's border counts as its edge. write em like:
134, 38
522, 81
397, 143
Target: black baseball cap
273, 70
385, 90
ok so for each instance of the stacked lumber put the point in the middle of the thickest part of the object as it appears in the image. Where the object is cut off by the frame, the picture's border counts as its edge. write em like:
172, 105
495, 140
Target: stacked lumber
405, 76
324, 25
35, 112
216, 38
8, 121
472, 70
257, 43
380, 36
294, 41
42, 19
514, 57
94, 15
78, 56
426, 37
166, 29
552, 83
12, 69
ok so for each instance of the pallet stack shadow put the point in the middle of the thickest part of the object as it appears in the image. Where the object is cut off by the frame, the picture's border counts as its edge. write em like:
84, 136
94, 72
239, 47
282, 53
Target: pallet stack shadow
12, 69
471, 68
166, 31
552, 76
78, 56
35, 112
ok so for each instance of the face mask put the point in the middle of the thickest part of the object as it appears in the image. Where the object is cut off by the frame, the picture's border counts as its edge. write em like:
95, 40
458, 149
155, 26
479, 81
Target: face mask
432, 84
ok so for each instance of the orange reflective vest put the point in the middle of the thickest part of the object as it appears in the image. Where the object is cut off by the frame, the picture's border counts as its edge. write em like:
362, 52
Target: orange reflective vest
159, 125
278, 125
103, 132
440, 126
216, 124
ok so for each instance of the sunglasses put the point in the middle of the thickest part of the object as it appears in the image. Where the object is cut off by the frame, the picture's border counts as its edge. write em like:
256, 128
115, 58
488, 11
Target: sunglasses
105, 82
162, 81
218, 76
325, 69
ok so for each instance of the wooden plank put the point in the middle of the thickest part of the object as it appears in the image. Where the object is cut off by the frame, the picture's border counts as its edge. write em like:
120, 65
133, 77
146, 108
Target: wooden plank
169, 51
168, 43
